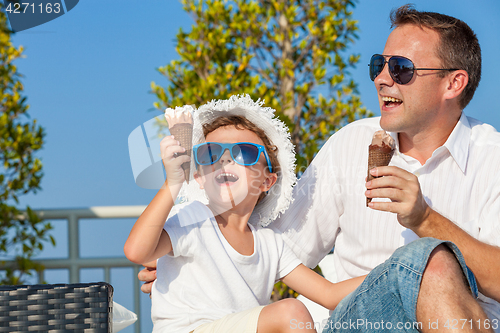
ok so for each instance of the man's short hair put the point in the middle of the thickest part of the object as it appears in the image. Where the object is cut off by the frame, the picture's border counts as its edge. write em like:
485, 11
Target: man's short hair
459, 47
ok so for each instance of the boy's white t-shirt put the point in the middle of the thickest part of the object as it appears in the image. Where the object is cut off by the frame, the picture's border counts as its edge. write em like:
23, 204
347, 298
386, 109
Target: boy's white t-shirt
205, 279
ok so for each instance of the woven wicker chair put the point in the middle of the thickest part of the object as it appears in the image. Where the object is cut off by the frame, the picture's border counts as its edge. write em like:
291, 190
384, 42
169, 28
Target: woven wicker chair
81, 307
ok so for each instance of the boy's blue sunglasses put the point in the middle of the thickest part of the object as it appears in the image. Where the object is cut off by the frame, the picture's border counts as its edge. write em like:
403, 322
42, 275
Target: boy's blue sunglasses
243, 153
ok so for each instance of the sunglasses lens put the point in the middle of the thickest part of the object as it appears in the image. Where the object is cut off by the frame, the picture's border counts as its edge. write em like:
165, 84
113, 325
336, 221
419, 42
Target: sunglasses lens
401, 69
377, 63
245, 154
208, 153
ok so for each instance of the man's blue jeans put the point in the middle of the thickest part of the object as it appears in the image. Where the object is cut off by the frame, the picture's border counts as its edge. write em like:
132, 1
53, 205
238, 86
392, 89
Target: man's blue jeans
386, 301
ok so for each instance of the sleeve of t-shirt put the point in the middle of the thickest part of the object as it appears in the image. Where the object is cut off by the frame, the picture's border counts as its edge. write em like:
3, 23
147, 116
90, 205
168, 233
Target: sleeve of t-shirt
288, 261
183, 228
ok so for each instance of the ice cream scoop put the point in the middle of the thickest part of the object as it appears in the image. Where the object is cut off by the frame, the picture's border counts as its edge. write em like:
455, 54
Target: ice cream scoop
379, 153
180, 125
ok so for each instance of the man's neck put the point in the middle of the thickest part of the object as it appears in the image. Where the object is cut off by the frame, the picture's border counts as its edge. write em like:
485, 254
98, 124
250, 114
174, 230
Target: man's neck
421, 145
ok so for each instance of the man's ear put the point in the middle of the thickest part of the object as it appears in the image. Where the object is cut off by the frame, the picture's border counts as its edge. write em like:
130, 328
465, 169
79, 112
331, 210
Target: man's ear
269, 182
456, 83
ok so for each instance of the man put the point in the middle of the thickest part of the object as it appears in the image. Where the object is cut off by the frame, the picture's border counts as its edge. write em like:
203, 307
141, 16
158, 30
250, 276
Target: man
443, 182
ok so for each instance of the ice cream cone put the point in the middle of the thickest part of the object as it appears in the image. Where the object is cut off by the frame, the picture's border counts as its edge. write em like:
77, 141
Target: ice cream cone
180, 125
183, 132
379, 154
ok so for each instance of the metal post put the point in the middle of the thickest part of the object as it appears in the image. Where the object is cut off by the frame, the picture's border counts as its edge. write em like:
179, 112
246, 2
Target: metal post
41, 276
73, 248
107, 274
137, 300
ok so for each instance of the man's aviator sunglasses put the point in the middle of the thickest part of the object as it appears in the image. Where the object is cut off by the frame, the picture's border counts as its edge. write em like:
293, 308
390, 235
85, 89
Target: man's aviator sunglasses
242, 153
400, 68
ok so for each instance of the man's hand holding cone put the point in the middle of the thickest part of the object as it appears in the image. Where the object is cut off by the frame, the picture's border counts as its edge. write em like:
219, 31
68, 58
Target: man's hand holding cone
379, 153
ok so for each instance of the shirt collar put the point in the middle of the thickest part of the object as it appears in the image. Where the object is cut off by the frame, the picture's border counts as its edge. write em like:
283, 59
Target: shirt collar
457, 143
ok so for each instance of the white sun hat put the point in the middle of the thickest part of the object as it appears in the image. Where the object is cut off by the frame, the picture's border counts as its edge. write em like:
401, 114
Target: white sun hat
279, 196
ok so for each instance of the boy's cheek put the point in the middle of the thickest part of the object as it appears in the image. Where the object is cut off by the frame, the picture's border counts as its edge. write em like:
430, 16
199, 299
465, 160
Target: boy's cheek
199, 178
204, 170
255, 186
257, 170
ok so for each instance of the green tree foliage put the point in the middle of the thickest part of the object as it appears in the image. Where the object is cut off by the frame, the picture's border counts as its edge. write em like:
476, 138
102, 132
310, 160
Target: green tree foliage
291, 53
21, 235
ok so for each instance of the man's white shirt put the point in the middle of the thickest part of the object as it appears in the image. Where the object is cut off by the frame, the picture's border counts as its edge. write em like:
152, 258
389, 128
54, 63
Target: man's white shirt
461, 181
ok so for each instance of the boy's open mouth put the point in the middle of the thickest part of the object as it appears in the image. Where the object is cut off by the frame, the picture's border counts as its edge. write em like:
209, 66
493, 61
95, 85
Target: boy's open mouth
391, 101
226, 177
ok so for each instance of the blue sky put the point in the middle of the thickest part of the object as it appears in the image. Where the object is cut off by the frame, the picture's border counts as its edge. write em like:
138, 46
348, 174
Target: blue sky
87, 76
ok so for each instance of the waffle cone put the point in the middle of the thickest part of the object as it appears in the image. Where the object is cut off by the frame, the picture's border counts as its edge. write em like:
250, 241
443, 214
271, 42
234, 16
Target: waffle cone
183, 132
378, 156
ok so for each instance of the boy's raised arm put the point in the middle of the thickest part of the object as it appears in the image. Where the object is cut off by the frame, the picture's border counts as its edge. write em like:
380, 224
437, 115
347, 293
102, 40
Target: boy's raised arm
148, 241
318, 289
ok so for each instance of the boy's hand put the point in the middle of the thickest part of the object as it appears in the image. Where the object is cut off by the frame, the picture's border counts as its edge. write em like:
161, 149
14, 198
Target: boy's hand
169, 148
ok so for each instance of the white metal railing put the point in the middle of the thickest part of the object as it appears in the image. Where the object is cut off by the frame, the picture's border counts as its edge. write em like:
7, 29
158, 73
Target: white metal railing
74, 262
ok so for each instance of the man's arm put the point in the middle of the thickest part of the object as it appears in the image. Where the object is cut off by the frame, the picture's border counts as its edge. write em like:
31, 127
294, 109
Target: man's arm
407, 201
148, 276
483, 259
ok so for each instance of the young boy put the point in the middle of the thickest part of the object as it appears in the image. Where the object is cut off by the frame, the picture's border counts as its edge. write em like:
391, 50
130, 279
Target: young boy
217, 264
